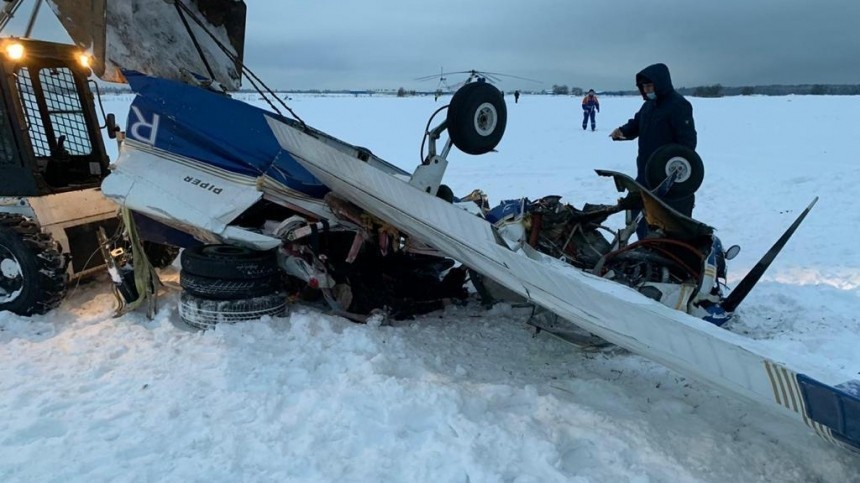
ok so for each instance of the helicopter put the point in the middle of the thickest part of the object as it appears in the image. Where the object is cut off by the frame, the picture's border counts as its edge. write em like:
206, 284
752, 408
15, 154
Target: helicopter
443, 86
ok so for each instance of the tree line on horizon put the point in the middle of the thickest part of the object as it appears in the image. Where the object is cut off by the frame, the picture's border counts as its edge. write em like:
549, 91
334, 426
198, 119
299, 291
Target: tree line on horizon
718, 90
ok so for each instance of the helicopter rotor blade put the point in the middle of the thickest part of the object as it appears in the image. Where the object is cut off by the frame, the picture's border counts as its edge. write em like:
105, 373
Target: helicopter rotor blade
492, 77
456, 86
514, 77
427, 77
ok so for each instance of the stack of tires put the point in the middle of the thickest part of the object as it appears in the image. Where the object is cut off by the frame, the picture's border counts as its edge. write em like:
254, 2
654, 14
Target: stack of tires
227, 284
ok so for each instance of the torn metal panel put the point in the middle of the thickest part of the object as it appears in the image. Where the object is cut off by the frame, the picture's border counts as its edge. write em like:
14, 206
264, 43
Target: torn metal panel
150, 36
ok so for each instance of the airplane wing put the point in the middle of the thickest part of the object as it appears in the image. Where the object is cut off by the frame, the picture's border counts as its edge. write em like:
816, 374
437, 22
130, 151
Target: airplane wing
691, 346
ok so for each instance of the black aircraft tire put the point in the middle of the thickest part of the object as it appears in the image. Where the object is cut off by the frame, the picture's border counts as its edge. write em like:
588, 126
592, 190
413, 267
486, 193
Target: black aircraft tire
32, 269
477, 117
201, 313
670, 156
229, 262
221, 289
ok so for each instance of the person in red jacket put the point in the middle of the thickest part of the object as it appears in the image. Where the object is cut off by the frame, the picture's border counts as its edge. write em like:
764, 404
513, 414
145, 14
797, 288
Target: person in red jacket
590, 105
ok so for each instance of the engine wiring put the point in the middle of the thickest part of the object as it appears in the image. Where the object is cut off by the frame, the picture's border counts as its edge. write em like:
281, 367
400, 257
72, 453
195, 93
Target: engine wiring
654, 244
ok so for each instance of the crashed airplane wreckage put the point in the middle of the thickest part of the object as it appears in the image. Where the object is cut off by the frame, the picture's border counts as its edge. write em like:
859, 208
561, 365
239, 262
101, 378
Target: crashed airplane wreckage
691, 346
255, 197
179, 174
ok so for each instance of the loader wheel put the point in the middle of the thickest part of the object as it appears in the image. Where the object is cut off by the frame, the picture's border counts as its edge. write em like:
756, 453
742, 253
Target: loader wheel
691, 170
229, 262
160, 256
221, 289
477, 116
204, 314
32, 269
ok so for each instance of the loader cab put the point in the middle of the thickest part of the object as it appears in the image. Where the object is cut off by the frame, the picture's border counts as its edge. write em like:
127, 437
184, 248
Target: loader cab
50, 140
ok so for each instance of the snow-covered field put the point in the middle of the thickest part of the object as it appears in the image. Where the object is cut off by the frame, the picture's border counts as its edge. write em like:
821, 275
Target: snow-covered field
465, 395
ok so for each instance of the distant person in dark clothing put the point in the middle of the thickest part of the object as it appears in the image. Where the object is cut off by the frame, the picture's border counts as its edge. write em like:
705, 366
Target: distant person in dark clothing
665, 118
590, 105
516, 97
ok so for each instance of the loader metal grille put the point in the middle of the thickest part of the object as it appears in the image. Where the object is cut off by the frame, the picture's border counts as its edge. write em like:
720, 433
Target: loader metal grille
8, 155
30, 103
61, 115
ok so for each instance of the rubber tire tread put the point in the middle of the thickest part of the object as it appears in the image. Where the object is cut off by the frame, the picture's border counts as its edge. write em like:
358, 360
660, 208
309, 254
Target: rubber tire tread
222, 289
229, 262
43, 266
201, 313
461, 114
655, 169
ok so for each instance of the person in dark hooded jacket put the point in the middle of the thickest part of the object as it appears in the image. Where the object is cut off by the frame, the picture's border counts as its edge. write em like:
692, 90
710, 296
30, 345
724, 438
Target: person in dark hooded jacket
665, 118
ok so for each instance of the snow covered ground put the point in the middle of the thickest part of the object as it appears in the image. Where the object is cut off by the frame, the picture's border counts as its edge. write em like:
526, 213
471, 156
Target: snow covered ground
464, 395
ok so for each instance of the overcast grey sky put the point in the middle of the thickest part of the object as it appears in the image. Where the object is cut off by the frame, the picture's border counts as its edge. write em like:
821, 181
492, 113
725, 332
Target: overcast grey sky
600, 44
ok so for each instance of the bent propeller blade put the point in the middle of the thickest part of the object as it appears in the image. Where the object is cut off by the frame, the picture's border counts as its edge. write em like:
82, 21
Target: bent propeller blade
743, 289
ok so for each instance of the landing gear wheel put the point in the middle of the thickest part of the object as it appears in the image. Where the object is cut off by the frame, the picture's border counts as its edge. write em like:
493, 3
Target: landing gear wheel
229, 262
666, 159
477, 117
32, 269
160, 256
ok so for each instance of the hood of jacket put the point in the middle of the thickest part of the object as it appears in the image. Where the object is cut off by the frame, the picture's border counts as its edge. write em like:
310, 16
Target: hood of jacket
657, 74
